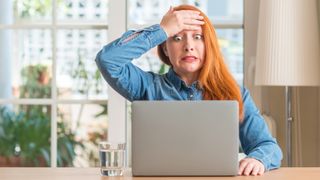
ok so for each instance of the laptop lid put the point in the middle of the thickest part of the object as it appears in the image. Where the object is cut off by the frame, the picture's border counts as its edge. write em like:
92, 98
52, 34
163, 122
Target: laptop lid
185, 138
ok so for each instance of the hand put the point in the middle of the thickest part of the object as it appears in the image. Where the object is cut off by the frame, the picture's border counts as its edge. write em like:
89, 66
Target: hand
251, 166
174, 22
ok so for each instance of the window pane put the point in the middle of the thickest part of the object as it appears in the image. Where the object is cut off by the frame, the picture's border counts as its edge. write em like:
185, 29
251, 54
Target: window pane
231, 44
226, 11
151, 62
38, 11
81, 127
25, 135
83, 10
220, 12
77, 73
25, 65
143, 12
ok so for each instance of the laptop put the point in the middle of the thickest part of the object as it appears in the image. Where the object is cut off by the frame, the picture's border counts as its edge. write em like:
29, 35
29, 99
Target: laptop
185, 138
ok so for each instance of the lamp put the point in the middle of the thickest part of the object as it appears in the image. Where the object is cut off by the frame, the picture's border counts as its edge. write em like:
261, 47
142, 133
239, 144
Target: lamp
288, 49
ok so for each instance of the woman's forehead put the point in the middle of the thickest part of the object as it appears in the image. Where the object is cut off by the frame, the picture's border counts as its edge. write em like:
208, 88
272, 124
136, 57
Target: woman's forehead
190, 32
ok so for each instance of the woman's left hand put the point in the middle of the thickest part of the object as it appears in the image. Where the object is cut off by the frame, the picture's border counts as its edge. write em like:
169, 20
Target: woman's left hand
251, 166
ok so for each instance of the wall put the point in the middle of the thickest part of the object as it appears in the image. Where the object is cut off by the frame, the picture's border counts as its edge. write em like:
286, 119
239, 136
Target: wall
271, 100
310, 126
319, 98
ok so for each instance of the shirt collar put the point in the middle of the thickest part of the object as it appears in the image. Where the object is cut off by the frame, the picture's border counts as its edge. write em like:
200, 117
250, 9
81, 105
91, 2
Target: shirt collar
178, 82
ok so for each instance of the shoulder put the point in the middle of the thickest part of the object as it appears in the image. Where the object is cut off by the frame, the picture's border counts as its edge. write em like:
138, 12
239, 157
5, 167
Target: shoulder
244, 93
248, 103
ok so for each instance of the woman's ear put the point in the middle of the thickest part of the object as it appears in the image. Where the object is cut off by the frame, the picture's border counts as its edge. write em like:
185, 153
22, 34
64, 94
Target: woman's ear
164, 48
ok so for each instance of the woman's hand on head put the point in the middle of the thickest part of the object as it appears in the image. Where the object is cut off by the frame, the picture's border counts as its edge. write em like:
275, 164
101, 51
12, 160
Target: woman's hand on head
174, 22
251, 166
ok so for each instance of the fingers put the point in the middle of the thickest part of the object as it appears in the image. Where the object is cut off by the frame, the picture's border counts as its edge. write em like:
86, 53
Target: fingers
186, 15
261, 171
189, 14
171, 9
242, 166
248, 169
174, 22
190, 20
250, 166
255, 170
192, 27
193, 22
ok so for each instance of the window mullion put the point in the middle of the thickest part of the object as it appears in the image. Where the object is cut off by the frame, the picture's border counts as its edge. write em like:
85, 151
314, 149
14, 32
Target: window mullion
50, 26
116, 103
54, 109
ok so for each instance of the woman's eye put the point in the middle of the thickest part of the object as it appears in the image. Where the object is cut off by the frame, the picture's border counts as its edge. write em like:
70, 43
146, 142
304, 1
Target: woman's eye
198, 36
177, 38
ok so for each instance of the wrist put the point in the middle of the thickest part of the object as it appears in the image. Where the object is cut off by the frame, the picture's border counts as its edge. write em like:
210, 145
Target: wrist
165, 30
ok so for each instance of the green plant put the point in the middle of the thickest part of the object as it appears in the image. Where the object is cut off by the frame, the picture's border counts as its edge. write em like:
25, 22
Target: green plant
66, 145
88, 79
163, 68
28, 137
25, 131
25, 138
35, 82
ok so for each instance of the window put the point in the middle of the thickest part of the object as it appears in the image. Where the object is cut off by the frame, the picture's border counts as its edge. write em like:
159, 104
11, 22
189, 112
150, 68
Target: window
53, 101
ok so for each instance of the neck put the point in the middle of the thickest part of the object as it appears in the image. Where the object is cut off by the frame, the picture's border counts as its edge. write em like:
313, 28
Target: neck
188, 78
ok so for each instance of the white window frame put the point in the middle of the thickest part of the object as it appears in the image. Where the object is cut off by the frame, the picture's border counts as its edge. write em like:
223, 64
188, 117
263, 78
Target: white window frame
54, 101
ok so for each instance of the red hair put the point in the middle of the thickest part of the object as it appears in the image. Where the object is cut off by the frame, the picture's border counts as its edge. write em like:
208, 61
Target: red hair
214, 78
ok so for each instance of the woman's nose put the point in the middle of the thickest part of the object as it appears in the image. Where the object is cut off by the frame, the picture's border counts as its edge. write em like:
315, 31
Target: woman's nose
188, 48
189, 44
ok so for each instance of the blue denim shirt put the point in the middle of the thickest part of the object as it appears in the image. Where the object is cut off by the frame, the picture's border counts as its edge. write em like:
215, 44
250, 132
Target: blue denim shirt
114, 62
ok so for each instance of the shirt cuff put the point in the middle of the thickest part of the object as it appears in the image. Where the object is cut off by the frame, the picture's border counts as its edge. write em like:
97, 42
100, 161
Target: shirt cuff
157, 36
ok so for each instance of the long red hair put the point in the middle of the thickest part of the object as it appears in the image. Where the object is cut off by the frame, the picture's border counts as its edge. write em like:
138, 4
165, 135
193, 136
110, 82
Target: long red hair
214, 78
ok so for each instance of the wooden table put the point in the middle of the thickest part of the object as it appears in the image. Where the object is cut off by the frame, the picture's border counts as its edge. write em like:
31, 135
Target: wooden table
94, 173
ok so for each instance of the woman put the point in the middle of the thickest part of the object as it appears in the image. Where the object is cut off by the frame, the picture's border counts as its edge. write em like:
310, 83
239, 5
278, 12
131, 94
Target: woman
187, 42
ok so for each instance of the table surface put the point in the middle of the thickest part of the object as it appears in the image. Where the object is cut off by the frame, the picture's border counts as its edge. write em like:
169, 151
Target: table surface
94, 173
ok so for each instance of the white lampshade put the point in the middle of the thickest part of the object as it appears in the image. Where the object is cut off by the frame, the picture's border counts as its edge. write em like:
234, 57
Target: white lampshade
288, 43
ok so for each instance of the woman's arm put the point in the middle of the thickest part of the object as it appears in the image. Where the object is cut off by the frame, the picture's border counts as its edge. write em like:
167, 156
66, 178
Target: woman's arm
114, 61
255, 137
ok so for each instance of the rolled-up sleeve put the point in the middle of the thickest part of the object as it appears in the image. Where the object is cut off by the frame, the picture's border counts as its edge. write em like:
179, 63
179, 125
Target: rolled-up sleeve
256, 139
114, 61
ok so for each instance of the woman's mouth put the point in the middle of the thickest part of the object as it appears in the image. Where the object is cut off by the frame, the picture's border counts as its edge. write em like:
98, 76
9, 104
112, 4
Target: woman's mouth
189, 58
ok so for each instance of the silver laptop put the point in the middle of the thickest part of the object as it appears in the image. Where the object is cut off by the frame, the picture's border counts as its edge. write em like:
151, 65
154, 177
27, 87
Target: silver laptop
185, 138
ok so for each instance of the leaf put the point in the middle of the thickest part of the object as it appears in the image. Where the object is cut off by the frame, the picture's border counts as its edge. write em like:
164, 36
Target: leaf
46, 155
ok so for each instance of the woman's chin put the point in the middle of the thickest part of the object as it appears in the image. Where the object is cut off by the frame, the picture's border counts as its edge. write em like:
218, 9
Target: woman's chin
191, 70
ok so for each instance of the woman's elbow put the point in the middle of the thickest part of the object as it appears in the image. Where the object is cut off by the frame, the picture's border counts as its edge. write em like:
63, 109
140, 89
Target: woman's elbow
98, 59
276, 159
104, 60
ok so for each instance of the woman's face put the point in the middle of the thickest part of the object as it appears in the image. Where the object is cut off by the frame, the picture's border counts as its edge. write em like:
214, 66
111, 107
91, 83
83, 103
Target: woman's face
186, 52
